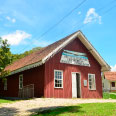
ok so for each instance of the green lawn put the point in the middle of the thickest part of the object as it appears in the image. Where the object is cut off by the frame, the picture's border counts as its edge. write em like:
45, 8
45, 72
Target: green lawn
89, 109
6, 101
108, 95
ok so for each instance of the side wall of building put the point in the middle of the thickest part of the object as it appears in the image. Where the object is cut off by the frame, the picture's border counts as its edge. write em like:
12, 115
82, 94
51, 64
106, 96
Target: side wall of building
106, 84
33, 76
66, 92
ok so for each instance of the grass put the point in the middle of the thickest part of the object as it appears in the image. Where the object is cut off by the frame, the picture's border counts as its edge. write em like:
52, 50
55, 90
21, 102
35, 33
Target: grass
89, 109
6, 101
114, 92
109, 96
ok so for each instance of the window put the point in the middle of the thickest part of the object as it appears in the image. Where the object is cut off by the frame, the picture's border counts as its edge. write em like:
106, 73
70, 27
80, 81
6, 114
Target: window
113, 84
5, 85
103, 85
58, 79
20, 81
91, 80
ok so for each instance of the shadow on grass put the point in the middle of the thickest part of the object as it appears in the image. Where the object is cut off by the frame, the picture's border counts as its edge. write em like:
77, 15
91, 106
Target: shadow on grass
4, 111
54, 111
15, 98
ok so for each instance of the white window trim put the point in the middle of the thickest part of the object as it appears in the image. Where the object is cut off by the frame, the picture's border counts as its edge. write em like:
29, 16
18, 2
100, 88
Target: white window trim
5, 85
19, 81
88, 81
62, 79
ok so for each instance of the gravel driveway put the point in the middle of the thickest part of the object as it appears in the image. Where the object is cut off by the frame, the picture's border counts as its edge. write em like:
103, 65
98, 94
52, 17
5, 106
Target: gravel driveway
27, 107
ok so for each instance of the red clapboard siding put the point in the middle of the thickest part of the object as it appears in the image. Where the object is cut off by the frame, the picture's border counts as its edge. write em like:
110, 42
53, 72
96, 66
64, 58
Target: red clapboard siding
33, 76
43, 77
66, 91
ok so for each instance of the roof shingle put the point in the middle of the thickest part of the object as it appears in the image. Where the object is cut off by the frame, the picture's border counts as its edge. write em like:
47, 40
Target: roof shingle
35, 56
111, 76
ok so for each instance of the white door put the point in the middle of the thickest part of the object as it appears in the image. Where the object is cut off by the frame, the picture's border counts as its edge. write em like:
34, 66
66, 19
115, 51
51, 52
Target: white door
74, 86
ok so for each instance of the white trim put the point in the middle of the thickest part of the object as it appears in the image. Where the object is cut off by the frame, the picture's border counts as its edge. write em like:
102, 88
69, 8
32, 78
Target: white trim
27, 67
88, 45
80, 82
60, 47
93, 51
88, 81
19, 81
5, 85
62, 79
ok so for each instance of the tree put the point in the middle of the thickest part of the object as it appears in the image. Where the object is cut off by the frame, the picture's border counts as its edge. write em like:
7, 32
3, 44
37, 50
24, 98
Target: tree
22, 55
5, 58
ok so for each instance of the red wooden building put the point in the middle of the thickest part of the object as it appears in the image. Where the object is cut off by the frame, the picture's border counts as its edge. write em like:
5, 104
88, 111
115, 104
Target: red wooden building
70, 67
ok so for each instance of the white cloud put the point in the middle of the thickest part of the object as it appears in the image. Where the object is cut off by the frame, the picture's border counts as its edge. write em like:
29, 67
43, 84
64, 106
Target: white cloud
8, 18
16, 38
13, 20
92, 16
79, 12
113, 68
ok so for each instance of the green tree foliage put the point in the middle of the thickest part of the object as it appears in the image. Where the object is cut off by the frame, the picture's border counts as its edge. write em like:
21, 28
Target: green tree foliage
19, 56
5, 58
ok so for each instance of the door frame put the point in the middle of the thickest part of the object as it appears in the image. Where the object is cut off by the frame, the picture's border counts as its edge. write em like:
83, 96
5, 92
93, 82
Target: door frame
80, 81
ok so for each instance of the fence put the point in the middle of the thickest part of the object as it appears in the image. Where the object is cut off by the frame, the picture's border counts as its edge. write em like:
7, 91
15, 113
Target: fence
27, 91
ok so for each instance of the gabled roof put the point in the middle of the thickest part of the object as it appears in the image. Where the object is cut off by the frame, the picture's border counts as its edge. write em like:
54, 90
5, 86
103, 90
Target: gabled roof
111, 76
40, 57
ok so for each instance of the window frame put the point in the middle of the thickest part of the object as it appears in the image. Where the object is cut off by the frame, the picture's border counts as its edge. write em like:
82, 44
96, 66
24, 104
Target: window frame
114, 84
88, 81
20, 81
60, 79
102, 85
5, 85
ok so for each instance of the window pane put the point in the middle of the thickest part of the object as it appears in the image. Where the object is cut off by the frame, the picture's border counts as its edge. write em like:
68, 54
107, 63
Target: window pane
89, 76
113, 84
5, 85
89, 79
55, 77
21, 78
60, 85
55, 85
58, 79
92, 85
20, 81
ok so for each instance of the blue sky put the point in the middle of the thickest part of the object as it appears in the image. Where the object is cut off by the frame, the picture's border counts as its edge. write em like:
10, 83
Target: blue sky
23, 22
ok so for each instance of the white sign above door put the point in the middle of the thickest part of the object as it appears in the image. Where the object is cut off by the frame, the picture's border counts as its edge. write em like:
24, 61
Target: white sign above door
75, 58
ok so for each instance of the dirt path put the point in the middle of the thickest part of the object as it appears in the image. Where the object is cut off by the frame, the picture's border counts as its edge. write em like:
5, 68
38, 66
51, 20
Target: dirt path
27, 107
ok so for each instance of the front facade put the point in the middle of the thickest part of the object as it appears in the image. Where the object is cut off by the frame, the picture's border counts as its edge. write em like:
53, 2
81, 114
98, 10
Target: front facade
71, 69
109, 81
71, 73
